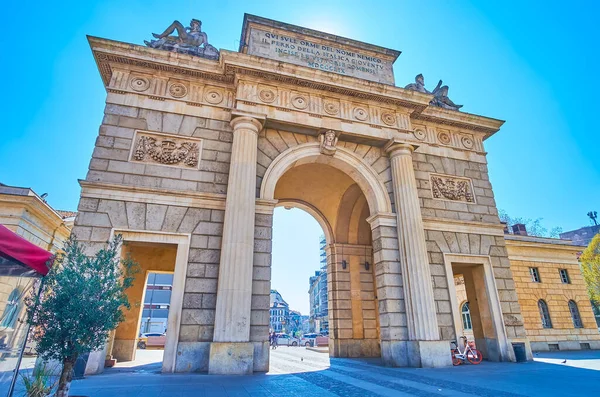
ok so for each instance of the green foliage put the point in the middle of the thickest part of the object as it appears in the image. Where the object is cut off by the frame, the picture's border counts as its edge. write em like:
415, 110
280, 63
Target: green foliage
534, 226
39, 383
590, 267
82, 301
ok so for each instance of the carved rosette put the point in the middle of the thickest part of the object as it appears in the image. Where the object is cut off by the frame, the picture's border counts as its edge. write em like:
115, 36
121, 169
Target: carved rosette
266, 95
213, 96
467, 142
444, 138
139, 84
332, 108
388, 118
451, 188
360, 114
178, 90
166, 150
299, 102
420, 134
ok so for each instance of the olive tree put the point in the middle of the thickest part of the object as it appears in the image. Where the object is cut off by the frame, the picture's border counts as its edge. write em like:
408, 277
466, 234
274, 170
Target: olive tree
82, 301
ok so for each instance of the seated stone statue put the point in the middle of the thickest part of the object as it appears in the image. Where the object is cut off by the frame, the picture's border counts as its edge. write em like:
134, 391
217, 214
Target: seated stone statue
441, 99
440, 93
418, 85
191, 40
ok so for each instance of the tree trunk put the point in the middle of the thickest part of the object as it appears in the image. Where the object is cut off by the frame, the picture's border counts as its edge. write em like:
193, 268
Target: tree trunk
66, 376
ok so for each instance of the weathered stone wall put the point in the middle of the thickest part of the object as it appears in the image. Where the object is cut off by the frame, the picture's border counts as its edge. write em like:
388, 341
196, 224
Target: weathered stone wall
110, 160
484, 207
390, 292
261, 289
98, 216
439, 243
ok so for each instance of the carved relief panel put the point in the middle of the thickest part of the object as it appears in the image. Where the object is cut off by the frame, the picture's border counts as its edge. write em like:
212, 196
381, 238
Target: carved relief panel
166, 149
444, 187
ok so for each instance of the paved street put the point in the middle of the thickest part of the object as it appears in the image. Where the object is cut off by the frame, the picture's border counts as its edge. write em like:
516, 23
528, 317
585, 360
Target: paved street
298, 372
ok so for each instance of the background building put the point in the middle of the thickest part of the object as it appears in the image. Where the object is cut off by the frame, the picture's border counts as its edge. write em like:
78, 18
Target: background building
279, 312
319, 319
581, 236
157, 300
29, 215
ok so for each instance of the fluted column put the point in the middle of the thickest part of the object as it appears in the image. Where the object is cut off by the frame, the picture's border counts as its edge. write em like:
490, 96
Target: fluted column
416, 275
234, 291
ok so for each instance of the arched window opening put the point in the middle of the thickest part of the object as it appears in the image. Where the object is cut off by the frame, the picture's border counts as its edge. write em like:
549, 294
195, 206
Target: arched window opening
577, 323
466, 317
544, 314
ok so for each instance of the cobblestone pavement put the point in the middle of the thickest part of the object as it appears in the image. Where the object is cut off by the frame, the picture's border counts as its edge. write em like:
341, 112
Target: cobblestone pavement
298, 372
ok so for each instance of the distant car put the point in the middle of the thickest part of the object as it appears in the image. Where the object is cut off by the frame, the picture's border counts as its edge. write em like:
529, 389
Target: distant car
152, 339
308, 339
322, 340
286, 340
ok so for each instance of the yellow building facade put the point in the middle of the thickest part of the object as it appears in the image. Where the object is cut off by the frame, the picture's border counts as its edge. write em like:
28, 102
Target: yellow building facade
550, 285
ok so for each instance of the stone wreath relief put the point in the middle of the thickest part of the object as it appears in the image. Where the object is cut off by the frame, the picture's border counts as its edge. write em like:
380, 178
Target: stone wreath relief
166, 151
452, 189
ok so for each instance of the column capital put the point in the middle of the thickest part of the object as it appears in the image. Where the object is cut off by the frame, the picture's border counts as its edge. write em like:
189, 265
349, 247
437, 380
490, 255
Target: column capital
254, 122
396, 147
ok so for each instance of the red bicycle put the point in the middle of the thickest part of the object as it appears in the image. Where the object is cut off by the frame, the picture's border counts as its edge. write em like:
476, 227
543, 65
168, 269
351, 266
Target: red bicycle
470, 354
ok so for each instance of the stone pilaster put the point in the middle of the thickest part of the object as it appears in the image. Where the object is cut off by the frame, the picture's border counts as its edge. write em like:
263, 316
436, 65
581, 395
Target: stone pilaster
231, 352
416, 275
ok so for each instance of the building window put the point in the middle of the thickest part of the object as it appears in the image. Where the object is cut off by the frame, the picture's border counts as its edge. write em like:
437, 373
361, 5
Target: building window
564, 276
535, 274
11, 311
466, 317
544, 314
596, 310
577, 323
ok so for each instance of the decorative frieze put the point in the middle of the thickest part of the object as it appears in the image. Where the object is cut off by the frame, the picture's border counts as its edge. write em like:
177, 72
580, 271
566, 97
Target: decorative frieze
446, 187
166, 150
445, 137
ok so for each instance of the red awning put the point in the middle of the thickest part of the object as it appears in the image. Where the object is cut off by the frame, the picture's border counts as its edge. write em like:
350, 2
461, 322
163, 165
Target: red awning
15, 249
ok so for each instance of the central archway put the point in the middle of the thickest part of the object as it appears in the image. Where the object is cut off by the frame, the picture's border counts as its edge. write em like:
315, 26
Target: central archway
343, 159
341, 192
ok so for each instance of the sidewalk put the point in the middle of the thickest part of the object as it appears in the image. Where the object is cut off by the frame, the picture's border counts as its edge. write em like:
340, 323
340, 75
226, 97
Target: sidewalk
299, 372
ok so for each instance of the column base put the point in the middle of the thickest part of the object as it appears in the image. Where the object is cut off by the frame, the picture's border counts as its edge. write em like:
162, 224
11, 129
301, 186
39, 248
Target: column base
429, 353
418, 354
124, 349
231, 358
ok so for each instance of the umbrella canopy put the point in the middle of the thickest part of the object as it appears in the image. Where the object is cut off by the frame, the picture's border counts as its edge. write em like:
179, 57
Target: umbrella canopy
18, 256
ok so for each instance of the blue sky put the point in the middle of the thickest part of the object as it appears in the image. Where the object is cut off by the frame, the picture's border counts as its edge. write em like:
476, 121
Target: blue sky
532, 64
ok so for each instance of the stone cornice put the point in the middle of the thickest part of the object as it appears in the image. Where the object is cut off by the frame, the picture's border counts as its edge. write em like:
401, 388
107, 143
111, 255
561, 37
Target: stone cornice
109, 53
111, 191
456, 226
35, 205
546, 242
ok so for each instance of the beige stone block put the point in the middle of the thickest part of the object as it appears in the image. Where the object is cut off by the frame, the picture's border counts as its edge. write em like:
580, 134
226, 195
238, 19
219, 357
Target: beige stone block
162, 171
139, 180
107, 177
201, 285
231, 358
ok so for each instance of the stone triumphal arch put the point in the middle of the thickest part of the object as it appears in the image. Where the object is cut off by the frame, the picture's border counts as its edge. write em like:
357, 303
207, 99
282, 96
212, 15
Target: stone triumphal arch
197, 147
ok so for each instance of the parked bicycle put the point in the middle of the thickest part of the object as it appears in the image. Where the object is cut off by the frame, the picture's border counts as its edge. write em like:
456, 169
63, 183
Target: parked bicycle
470, 354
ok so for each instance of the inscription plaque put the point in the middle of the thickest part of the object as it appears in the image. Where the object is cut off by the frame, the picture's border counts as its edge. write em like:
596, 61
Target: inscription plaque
284, 43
